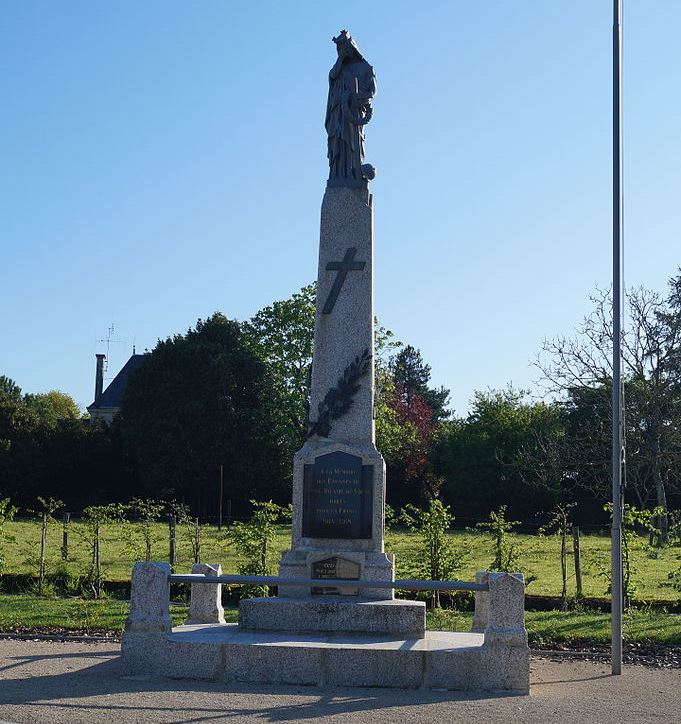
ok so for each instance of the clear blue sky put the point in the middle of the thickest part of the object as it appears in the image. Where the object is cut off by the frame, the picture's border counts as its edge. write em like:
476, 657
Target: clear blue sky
163, 160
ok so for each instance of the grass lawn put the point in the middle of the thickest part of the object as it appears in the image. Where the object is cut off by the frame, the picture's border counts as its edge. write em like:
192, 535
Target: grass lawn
544, 627
122, 545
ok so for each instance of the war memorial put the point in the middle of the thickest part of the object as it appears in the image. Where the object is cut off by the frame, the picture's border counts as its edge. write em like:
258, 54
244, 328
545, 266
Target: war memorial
335, 620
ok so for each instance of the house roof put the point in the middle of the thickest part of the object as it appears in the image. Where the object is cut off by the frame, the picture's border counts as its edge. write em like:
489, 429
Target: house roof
111, 397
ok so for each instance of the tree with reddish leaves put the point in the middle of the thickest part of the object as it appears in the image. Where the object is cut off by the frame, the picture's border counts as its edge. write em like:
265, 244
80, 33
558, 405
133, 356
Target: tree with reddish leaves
405, 431
414, 412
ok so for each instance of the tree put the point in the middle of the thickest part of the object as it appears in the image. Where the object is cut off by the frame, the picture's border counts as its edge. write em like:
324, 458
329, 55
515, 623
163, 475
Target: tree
13, 412
48, 449
439, 559
202, 400
9, 389
52, 406
403, 436
561, 524
281, 335
254, 539
506, 551
412, 375
408, 413
580, 367
476, 455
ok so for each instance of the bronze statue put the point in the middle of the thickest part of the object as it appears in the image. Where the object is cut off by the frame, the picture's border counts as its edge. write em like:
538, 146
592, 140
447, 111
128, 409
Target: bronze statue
352, 85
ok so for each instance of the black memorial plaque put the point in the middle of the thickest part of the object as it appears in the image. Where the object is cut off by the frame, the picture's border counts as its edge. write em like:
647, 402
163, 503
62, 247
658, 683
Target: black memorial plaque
336, 568
337, 497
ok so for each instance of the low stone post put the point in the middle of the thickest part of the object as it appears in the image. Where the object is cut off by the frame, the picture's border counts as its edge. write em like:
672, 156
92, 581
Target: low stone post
506, 609
506, 655
206, 600
149, 598
148, 622
481, 604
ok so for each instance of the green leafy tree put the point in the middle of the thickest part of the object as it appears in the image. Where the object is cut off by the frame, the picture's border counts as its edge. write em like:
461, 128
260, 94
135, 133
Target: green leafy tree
15, 417
46, 510
95, 518
52, 406
477, 456
507, 553
439, 559
282, 335
253, 541
47, 449
202, 400
634, 521
147, 512
560, 523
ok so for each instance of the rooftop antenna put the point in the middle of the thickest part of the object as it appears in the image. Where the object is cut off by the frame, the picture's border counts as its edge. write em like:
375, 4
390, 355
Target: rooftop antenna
109, 341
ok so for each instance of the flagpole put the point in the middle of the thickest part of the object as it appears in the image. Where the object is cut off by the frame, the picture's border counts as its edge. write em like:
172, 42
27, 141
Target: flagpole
616, 544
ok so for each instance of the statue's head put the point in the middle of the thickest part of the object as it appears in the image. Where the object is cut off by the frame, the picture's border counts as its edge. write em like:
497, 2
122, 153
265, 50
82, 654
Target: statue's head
346, 46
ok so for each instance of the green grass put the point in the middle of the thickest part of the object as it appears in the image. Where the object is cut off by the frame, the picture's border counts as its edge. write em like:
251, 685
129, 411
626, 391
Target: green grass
545, 628
122, 545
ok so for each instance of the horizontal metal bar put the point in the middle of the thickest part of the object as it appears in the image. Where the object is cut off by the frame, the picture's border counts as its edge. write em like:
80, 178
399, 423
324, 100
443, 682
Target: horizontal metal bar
326, 582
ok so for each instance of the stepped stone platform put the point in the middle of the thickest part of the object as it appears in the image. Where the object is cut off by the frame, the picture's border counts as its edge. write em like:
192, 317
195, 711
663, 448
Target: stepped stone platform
494, 656
439, 659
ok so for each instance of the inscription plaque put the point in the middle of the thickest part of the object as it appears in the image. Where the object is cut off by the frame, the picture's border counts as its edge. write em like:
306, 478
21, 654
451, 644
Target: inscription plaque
337, 497
335, 568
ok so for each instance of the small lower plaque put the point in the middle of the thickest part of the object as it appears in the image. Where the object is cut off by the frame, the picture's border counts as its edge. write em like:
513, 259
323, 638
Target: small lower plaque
335, 568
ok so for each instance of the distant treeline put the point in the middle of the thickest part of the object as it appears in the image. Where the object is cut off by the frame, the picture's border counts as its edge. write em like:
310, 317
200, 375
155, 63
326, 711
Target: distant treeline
234, 395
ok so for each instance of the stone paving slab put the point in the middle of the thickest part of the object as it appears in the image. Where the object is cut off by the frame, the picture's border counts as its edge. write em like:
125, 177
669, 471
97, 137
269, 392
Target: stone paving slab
232, 634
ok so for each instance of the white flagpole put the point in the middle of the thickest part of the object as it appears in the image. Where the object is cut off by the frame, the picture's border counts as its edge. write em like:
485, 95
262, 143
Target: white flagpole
616, 546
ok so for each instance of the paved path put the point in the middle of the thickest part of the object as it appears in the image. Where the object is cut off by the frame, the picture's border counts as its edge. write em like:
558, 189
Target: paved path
45, 681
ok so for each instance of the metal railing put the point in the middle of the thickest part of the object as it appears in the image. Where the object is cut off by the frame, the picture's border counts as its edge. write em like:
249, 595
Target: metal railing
407, 585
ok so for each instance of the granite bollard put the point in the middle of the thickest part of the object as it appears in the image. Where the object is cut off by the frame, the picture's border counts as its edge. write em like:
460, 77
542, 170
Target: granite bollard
145, 639
506, 609
149, 598
206, 600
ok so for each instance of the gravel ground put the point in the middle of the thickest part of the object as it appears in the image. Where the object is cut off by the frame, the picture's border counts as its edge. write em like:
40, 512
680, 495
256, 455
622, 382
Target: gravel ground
49, 681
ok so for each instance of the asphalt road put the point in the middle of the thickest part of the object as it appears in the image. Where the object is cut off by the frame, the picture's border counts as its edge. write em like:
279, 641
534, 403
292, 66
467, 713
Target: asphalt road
45, 681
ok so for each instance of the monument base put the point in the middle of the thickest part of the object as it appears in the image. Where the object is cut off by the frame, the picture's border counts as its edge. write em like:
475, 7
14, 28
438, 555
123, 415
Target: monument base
495, 656
334, 614
439, 660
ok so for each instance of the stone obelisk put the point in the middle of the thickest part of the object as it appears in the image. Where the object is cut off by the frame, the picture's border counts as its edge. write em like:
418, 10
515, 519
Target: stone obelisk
339, 475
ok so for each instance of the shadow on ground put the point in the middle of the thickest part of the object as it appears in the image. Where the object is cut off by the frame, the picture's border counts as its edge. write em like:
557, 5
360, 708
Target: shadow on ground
91, 682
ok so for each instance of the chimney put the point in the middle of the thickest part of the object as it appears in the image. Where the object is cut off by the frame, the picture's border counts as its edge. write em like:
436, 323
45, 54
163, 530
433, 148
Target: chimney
99, 376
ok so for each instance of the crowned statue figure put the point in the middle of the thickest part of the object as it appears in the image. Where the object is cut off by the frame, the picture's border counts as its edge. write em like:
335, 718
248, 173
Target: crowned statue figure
352, 86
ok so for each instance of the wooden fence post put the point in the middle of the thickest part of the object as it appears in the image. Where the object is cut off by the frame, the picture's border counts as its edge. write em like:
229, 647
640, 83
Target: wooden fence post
578, 560
65, 536
197, 541
172, 553
43, 545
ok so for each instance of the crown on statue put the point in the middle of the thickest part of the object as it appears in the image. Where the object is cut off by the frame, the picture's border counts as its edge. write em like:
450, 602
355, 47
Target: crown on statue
343, 37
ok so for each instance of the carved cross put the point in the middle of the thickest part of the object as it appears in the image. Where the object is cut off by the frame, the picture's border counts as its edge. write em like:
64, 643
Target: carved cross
342, 267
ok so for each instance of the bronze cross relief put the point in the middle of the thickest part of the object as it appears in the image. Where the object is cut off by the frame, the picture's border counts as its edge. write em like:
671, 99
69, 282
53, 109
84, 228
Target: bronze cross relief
342, 267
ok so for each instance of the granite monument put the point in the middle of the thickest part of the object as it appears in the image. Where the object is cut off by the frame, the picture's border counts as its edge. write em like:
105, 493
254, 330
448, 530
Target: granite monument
329, 630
